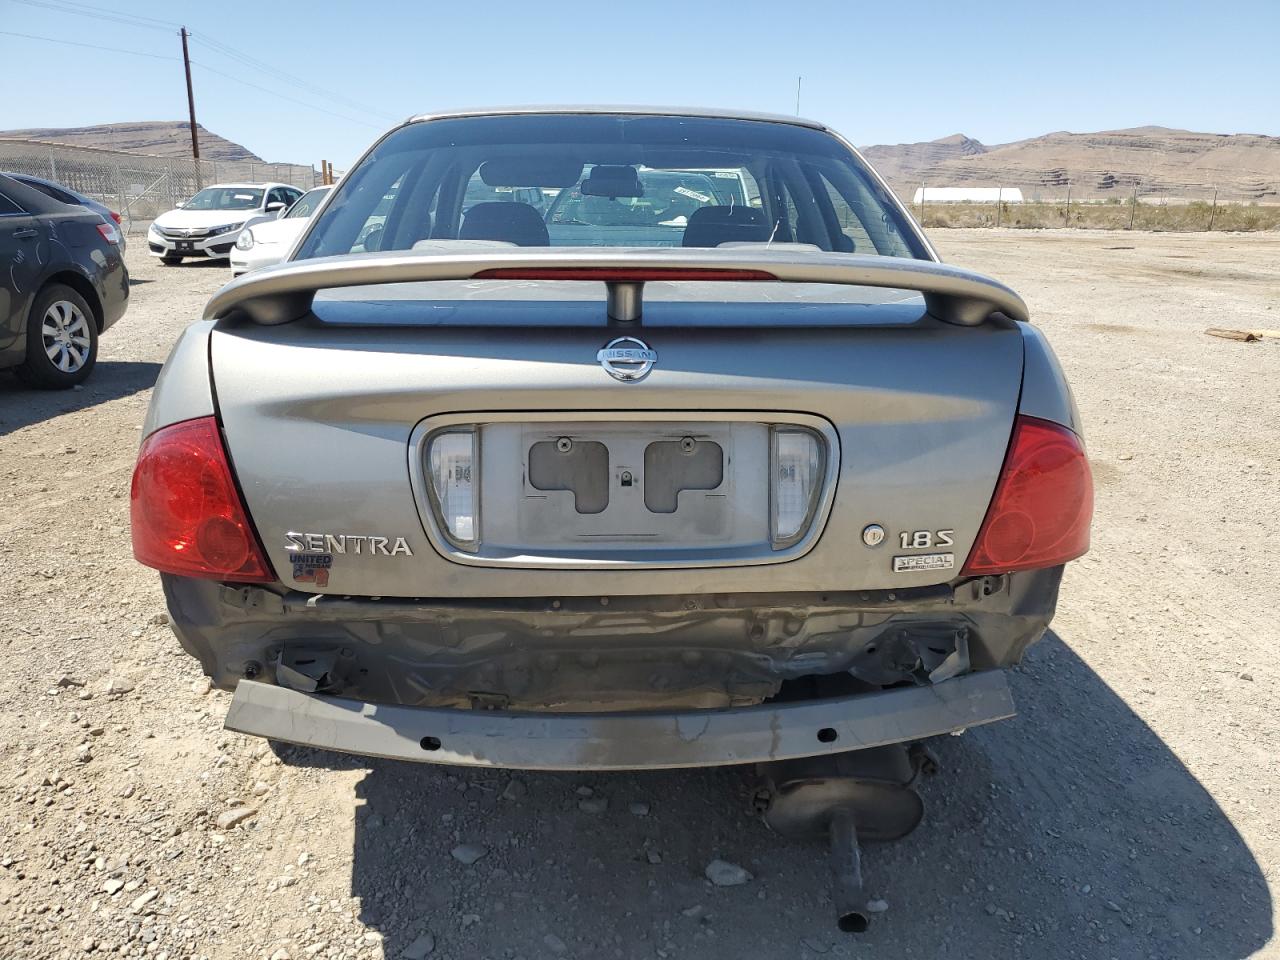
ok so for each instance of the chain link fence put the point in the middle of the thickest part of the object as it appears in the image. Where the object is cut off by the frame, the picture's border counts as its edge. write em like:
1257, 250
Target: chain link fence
139, 186
1127, 204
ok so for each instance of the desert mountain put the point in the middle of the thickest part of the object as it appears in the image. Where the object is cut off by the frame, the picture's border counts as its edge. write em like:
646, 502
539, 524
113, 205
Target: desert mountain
903, 164
165, 138
1157, 160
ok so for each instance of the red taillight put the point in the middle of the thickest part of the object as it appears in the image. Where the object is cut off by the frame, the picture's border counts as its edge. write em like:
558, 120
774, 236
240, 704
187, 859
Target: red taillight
116, 217
186, 512
1039, 516
110, 232
630, 275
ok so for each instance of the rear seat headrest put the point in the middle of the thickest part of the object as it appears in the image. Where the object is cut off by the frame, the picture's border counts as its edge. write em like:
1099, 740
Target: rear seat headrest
517, 223
712, 226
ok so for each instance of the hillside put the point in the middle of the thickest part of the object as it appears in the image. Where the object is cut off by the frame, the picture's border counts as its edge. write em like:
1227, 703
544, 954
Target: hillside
903, 164
1157, 160
165, 138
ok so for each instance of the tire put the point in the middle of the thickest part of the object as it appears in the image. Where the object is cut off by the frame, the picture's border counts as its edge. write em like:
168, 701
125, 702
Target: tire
171, 261
62, 340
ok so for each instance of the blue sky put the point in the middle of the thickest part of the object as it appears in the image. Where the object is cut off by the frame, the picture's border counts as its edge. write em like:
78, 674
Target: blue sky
880, 73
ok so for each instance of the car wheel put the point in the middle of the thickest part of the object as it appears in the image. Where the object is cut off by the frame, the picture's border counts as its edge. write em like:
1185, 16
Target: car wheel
171, 261
62, 340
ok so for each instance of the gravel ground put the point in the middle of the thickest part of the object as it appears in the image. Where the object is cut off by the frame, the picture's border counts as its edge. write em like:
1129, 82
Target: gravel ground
1127, 812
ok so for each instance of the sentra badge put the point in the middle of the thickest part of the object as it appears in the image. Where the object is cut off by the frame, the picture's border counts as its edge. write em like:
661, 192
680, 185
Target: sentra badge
360, 545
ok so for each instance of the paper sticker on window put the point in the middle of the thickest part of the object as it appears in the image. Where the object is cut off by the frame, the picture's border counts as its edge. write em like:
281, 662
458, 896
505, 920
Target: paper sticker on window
686, 192
244, 196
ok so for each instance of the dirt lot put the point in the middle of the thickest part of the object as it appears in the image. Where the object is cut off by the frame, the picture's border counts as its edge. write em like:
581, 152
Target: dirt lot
1129, 811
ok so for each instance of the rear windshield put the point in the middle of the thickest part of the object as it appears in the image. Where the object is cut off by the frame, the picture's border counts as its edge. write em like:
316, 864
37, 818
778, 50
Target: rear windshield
609, 181
306, 205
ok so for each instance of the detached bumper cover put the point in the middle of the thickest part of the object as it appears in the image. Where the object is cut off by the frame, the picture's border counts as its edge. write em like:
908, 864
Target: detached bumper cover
620, 741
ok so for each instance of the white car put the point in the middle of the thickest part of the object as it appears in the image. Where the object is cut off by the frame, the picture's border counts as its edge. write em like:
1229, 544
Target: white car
265, 242
208, 223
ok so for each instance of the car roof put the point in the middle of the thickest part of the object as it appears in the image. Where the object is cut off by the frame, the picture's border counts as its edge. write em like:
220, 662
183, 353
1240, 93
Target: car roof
53, 183
16, 175
627, 109
35, 201
247, 186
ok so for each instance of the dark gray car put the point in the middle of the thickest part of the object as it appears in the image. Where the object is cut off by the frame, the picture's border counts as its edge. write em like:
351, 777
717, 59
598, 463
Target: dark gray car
63, 282
660, 474
64, 194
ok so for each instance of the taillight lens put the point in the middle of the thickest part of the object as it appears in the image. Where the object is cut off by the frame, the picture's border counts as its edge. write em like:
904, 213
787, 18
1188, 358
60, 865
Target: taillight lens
796, 465
452, 463
110, 232
115, 216
1039, 516
186, 513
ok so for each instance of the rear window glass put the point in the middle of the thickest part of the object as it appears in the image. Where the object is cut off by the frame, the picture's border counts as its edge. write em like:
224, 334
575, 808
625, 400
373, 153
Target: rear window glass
307, 203
609, 181
50, 191
225, 198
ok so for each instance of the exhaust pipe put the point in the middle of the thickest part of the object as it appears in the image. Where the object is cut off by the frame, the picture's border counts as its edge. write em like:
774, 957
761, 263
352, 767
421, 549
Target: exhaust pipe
844, 797
846, 870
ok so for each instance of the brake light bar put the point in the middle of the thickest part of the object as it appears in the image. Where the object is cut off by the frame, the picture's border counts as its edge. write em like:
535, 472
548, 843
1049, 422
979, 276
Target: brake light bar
618, 275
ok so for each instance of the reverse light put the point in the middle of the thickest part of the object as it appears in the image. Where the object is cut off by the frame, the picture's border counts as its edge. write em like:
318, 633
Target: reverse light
1039, 516
110, 232
452, 463
796, 468
186, 513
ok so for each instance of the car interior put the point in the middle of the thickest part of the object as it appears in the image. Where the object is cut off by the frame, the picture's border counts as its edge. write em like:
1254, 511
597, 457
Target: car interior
603, 195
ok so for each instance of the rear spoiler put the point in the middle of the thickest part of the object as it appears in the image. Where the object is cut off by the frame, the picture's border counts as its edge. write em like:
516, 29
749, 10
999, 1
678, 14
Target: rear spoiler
284, 293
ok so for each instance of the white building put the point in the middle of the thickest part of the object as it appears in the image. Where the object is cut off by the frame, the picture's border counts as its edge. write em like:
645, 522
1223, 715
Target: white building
968, 195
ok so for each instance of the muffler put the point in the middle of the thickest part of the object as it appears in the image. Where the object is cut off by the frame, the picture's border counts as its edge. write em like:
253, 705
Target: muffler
845, 798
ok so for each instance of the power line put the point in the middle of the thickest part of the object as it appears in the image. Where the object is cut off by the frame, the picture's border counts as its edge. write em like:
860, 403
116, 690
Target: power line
276, 93
157, 56
264, 67
65, 6
91, 46
222, 49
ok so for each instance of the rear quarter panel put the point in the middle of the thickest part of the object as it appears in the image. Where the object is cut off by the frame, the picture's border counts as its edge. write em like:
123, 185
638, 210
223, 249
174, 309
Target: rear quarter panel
183, 390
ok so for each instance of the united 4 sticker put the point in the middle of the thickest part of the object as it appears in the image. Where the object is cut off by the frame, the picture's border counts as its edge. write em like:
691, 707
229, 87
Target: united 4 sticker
312, 568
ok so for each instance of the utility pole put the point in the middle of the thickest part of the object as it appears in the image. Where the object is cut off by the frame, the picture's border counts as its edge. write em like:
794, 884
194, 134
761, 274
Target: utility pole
191, 99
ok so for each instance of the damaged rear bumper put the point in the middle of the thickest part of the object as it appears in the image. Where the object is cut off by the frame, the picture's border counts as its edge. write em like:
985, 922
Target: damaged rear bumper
620, 741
